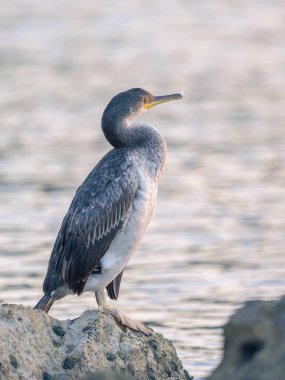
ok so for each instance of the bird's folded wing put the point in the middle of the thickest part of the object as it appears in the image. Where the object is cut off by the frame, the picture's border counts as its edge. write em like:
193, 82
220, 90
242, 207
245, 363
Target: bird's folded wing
99, 210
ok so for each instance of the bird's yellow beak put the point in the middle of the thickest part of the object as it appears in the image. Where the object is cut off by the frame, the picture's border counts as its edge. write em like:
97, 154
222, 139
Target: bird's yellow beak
154, 101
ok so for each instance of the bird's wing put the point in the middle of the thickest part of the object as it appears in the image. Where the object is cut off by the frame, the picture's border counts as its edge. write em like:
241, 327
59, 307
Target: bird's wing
99, 210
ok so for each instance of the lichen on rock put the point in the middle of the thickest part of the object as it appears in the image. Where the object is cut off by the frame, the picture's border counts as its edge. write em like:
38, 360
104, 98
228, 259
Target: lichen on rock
36, 346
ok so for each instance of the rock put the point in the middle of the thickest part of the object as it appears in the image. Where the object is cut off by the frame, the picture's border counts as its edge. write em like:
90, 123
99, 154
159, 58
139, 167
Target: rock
36, 346
254, 347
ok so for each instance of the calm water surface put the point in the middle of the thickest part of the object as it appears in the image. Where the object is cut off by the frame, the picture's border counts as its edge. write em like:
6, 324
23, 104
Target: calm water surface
217, 235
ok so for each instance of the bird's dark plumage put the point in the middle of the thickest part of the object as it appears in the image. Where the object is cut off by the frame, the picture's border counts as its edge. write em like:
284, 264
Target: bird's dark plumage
114, 287
97, 213
45, 303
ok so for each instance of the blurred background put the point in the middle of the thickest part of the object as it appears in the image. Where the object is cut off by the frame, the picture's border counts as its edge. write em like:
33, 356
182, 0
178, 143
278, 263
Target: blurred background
217, 235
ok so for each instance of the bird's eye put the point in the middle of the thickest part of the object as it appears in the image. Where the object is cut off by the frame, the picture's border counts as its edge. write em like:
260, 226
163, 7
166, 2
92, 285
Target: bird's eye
146, 100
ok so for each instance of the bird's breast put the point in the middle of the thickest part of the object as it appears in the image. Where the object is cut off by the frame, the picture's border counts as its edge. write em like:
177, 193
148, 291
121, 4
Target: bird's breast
127, 240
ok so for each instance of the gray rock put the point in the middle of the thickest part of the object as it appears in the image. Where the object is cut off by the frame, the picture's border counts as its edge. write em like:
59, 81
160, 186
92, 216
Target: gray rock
34, 345
254, 346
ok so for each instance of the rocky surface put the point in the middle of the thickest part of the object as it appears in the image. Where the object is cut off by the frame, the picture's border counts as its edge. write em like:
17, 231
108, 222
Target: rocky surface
254, 346
36, 346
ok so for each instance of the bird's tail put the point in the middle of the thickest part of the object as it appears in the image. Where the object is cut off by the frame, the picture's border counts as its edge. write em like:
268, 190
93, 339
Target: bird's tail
45, 303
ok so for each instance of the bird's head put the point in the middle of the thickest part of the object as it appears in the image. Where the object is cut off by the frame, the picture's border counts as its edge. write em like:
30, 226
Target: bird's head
134, 102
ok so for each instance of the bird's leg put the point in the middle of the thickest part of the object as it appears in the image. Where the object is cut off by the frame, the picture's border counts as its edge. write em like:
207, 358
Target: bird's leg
118, 315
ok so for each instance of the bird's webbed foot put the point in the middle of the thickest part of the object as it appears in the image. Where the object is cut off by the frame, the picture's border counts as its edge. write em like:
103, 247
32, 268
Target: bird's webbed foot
124, 320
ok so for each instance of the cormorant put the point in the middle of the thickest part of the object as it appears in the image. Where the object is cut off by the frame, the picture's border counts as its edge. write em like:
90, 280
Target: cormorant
111, 209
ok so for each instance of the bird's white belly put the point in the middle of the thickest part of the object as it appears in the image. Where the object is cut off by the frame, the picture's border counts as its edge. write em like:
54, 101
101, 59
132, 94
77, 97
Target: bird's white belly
126, 241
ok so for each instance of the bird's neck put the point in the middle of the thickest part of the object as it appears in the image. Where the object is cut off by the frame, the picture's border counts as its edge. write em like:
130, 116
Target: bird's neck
123, 134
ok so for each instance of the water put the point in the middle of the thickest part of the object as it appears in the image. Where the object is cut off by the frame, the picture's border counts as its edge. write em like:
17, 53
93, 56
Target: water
217, 236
